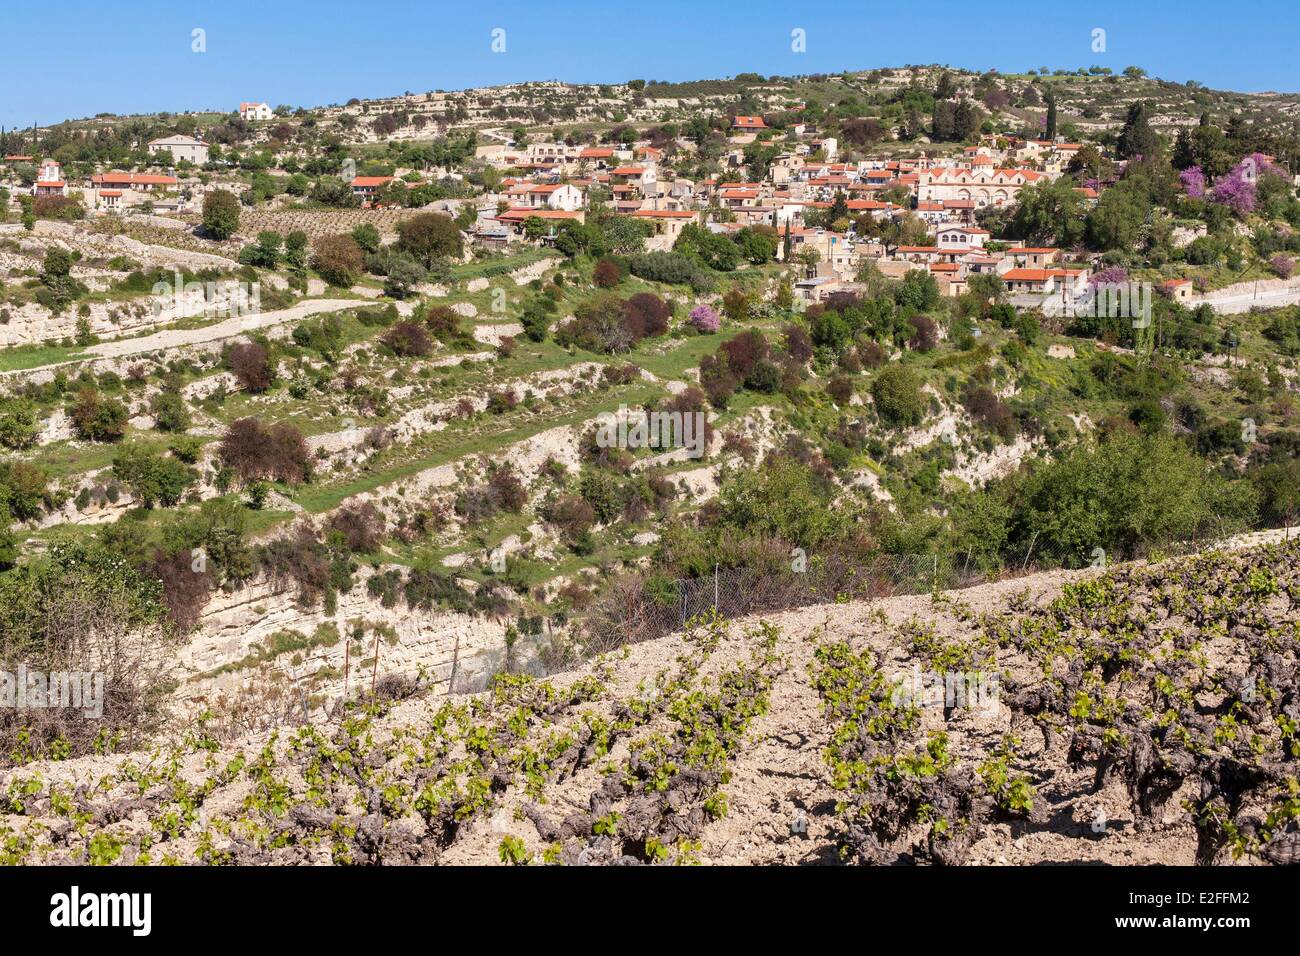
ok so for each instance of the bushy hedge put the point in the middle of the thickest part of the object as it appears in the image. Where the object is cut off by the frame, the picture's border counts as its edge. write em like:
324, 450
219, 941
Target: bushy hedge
673, 269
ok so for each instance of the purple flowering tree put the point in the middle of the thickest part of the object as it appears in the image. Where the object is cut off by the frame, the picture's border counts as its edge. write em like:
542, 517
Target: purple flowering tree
1236, 188
1115, 275
1193, 180
1235, 192
705, 320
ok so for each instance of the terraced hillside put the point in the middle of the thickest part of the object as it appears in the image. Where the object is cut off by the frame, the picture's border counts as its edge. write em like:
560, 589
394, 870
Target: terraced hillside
321, 482
435, 438
1146, 713
347, 484
1093, 99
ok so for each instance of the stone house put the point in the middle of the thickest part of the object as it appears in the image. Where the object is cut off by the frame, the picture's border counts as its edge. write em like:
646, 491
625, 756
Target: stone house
181, 148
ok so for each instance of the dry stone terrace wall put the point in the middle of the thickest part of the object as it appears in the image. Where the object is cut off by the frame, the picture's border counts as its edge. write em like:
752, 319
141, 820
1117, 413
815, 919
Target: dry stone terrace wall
149, 255
527, 457
116, 355
433, 417
237, 624
33, 324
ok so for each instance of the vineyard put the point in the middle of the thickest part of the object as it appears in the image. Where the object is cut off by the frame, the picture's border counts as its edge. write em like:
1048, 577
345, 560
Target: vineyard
319, 222
697, 511
1147, 713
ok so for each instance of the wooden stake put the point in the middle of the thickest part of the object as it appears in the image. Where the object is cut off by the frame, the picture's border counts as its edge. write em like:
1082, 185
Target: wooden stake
347, 663
1030, 551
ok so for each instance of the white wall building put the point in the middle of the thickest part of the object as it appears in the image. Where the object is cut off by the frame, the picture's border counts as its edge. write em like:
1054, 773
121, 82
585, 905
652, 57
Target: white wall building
960, 237
181, 148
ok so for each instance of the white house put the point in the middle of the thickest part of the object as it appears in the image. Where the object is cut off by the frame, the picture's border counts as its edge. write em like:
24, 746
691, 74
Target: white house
49, 181
366, 186
109, 200
643, 178
181, 148
254, 111
558, 196
960, 237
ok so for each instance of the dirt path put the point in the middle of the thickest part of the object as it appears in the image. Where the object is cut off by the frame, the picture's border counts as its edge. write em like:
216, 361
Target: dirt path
228, 328
779, 802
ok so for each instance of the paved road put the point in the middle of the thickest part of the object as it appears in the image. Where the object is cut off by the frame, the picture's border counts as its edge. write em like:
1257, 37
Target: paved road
1245, 301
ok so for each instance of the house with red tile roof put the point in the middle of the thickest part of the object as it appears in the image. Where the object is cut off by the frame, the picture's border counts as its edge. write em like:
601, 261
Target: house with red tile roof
49, 180
367, 186
255, 111
950, 276
139, 182
1180, 290
931, 212
522, 213
963, 237
514, 219
735, 198
1043, 281
564, 196
961, 210
983, 186
643, 179
749, 124
598, 157
877, 208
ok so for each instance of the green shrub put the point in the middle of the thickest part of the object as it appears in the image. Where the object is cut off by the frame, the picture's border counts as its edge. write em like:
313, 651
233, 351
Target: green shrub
896, 391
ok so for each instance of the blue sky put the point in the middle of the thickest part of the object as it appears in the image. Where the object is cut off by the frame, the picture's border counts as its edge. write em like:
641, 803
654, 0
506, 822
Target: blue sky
81, 61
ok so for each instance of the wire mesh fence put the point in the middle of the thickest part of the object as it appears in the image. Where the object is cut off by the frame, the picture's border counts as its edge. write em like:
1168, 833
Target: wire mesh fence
732, 592
641, 608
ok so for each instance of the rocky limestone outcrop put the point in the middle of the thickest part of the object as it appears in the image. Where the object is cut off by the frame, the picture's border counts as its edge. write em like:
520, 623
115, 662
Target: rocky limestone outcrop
227, 654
